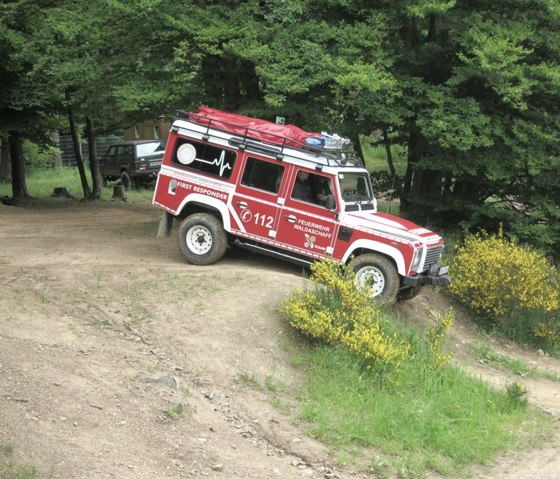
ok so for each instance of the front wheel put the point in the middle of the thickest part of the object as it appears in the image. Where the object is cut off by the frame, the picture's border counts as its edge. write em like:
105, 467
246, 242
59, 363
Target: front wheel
202, 239
378, 275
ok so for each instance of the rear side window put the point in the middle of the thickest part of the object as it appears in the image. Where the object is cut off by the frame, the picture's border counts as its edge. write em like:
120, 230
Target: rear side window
153, 148
262, 175
114, 152
209, 159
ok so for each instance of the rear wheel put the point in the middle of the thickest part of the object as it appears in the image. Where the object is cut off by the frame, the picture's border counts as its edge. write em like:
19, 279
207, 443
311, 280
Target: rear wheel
202, 239
126, 181
377, 275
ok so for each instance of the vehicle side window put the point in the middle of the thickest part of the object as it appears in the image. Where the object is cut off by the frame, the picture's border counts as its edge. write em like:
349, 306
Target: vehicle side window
312, 188
112, 152
302, 187
203, 157
119, 152
128, 153
321, 189
262, 175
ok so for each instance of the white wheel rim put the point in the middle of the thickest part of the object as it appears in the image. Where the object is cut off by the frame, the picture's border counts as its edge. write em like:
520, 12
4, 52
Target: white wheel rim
370, 278
199, 239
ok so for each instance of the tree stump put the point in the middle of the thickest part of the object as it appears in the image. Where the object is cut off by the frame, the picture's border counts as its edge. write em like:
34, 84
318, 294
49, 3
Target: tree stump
61, 192
119, 192
165, 225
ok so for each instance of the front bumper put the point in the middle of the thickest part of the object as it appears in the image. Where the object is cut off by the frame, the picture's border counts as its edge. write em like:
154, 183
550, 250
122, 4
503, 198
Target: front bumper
436, 276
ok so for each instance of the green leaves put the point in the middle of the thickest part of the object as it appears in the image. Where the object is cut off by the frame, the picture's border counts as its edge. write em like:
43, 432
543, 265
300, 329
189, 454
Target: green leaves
470, 90
452, 123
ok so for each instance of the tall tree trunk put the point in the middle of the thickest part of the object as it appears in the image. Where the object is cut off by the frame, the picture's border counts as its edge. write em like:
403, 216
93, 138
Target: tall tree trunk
411, 176
231, 84
431, 28
5, 161
93, 161
212, 72
418, 182
387, 144
57, 157
249, 79
19, 187
78, 152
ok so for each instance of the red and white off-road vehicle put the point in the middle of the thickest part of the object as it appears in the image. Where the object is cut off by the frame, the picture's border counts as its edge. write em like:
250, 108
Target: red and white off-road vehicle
281, 191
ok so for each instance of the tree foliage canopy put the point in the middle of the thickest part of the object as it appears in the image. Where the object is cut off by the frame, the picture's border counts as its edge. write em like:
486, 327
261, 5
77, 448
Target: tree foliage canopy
470, 88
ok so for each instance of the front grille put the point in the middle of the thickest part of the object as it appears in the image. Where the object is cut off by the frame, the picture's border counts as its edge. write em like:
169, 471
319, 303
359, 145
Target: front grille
432, 256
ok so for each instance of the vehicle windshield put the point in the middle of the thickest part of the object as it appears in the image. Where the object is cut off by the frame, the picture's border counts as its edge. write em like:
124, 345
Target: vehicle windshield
153, 148
356, 187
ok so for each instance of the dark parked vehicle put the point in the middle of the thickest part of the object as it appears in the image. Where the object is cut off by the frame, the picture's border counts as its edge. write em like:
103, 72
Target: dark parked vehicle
133, 162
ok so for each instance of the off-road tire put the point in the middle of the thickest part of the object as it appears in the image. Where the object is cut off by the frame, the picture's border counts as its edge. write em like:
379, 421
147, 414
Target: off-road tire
202, 239
377, 273
126, 181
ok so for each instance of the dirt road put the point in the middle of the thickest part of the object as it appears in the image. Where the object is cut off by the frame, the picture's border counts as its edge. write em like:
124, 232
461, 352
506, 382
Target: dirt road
119, 360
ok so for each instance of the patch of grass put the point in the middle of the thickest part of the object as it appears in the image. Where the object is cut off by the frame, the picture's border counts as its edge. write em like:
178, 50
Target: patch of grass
7, 448
516, 366
249, 379
390, 207
298, 359
425, 421
175, 412
41, 183
271, 383
375, 156
12, 470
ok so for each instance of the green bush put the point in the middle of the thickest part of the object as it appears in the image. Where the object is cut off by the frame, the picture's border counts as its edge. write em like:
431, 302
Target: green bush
510, 285
38, 157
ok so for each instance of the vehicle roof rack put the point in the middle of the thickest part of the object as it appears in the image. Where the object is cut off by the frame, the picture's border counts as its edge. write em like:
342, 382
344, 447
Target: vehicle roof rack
271, 143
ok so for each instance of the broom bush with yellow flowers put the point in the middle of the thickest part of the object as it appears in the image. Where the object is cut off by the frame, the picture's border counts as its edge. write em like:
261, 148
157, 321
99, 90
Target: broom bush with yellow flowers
376, 383
338, 314
514, 287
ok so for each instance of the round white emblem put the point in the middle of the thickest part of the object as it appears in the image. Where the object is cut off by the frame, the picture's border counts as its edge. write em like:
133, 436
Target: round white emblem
186, 153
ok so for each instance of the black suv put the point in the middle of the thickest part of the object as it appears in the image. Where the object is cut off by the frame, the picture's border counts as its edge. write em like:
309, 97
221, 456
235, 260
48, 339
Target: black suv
133, 162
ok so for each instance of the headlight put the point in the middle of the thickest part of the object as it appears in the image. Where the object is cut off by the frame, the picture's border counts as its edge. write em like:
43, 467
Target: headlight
416, 258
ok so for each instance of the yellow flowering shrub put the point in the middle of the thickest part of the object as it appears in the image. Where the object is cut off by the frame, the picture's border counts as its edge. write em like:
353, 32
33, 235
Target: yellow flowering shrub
506, 282
338, 314
548, 330
434, 338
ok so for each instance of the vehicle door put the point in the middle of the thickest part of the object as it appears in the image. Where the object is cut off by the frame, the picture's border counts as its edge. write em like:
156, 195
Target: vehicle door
306, 223
256, 200
128, 158
111, 161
